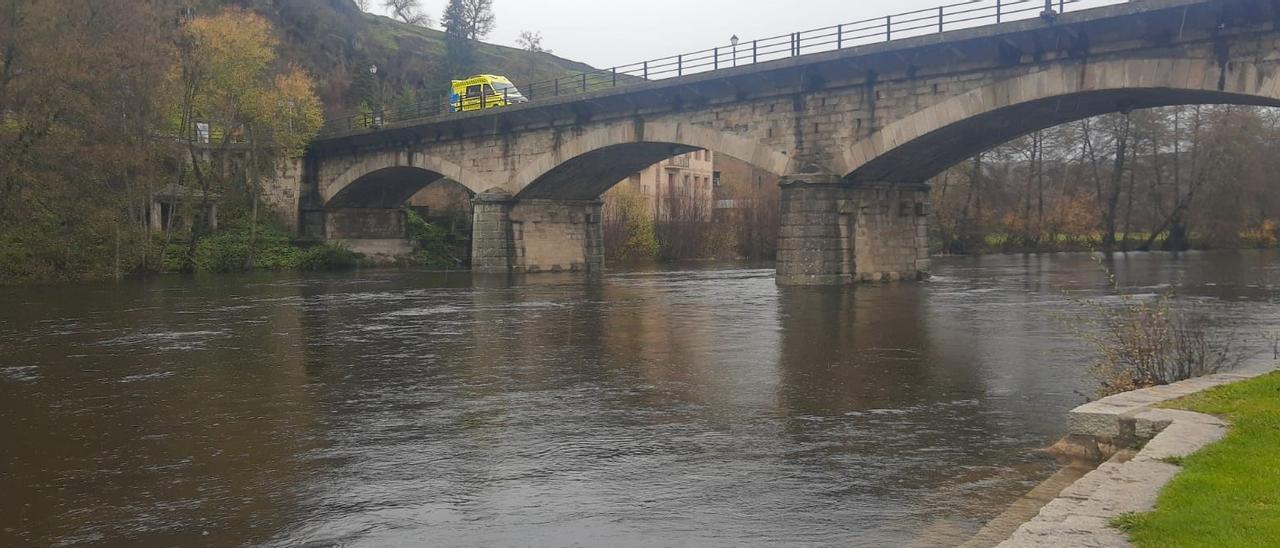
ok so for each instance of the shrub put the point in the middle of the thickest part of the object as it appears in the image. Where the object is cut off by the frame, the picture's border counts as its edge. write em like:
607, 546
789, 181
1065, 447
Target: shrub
629, 229
1265, 235
1144, 342
329, 256
433, 242
722, 242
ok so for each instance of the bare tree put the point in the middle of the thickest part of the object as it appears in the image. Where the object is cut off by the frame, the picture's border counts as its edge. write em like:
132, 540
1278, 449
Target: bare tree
478, 16
409, 11
363, 5
532, 41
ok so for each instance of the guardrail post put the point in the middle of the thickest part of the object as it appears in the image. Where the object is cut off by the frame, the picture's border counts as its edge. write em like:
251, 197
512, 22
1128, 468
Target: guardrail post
715, 56
999, 9
754, 56
888, 28
557, 91
646, 70
942, 19
839, 36
797, 44
584, 82
615, 76
680, 65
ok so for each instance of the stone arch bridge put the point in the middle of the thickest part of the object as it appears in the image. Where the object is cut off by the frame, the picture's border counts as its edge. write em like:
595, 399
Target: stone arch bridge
854, 133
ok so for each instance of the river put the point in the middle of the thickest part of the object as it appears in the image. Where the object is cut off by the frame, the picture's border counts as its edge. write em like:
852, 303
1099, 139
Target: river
672, 407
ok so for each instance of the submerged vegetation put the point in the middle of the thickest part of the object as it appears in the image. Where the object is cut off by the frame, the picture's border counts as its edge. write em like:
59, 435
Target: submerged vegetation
1144, 341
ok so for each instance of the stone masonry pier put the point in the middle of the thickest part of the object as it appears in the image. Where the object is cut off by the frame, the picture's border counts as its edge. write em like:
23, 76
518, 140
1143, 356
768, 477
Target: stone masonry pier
837, 233
533, 236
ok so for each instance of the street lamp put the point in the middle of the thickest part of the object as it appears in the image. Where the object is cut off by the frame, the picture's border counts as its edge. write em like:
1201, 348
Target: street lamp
734, 41
377, 106
1048, 14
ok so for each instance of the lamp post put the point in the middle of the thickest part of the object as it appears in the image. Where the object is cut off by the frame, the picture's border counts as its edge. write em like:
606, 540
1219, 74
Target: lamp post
377, 103
1048, 14
733, 40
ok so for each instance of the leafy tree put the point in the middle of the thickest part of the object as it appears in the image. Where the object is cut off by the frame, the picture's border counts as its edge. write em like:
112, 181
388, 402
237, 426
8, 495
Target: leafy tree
229, 81
80, 82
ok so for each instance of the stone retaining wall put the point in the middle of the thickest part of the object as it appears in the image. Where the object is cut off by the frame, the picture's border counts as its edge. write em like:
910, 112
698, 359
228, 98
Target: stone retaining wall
1129, 482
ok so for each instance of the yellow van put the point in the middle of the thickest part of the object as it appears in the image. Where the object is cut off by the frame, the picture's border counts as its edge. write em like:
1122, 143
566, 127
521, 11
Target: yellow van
484, 91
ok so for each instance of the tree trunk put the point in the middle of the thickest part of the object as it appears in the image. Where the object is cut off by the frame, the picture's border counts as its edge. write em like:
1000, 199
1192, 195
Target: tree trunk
255, 186
1128, 206
1112, 203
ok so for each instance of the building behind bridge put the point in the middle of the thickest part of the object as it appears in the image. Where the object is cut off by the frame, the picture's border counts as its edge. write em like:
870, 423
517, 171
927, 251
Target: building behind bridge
678, 188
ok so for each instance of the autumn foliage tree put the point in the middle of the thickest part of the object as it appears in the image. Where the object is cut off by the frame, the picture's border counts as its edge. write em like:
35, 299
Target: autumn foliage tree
99, 101
80, 86
230, 84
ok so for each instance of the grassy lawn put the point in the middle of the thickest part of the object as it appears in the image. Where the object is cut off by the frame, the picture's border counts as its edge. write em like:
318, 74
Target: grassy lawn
1229, 493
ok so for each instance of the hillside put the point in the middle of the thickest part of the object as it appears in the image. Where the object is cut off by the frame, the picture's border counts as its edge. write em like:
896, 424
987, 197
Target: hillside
337, 43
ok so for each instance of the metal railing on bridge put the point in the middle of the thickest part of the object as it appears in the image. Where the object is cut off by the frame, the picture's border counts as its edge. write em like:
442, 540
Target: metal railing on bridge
947, 17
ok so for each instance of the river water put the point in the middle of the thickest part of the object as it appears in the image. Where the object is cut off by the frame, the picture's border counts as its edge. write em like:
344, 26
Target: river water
681, 407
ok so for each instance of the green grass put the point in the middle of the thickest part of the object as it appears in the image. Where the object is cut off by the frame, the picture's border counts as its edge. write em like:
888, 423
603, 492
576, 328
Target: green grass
1228, 494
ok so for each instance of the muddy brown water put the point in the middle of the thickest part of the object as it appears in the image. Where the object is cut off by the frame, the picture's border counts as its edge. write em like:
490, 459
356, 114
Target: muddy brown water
676, 407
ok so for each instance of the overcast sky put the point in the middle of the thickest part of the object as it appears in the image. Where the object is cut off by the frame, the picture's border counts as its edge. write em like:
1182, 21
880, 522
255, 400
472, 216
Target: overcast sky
606, 33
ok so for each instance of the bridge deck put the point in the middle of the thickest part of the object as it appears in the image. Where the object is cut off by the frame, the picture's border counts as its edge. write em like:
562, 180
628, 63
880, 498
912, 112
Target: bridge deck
637, 95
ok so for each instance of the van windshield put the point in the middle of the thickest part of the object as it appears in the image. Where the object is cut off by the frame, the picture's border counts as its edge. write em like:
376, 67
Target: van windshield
504, 86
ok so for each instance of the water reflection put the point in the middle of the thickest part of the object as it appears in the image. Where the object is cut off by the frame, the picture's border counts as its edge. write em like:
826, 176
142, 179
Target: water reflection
685, 407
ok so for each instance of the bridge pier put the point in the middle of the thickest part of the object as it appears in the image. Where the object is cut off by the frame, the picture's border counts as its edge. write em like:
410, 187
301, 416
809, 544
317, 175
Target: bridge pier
836, 233
510, 235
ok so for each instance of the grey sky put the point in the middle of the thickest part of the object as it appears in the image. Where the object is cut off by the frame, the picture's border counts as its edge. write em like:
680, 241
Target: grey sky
607, 33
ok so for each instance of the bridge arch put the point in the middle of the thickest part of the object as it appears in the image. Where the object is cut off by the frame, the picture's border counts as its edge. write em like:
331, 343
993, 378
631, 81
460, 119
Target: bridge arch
584, 165
922, 145
388, 180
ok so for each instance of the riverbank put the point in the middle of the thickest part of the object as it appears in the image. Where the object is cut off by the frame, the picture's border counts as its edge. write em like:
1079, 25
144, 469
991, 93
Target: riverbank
1229, 493
1001, 243
238, 245
1224, 495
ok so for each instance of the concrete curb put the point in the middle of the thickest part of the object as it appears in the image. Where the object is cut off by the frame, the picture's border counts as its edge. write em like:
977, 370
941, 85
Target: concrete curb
1080, 515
